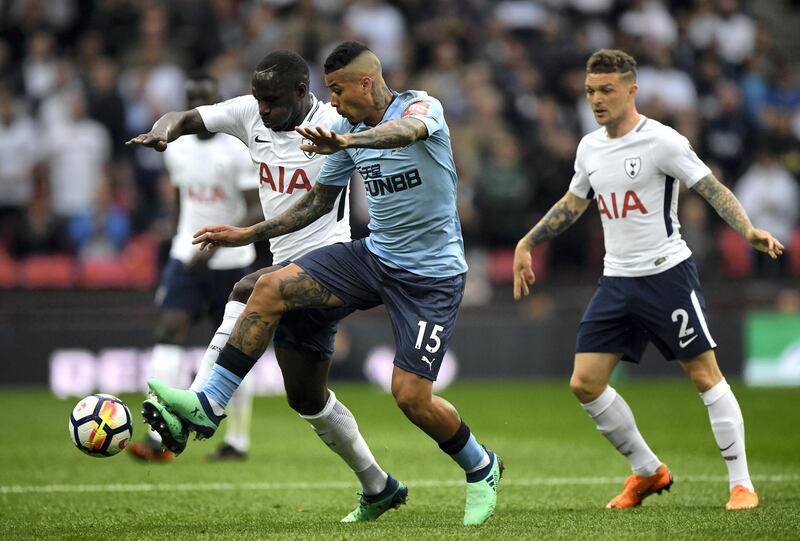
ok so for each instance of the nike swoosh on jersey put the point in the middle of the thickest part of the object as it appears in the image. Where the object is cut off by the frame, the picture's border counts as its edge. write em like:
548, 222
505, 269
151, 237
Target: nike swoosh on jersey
590, 173
687, 342
261, 140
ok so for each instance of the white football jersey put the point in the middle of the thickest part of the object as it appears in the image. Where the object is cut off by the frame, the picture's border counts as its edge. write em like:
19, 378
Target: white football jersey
634, 180
210, 176
285, 172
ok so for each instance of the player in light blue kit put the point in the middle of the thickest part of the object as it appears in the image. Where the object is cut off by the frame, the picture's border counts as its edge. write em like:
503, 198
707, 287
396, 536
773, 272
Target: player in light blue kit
413, 262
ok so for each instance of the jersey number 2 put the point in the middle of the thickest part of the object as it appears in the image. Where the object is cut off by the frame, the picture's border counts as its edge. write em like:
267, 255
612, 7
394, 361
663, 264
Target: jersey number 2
683, 315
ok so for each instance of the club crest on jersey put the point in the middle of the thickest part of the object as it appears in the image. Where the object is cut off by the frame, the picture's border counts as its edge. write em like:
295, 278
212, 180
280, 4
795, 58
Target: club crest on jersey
633, 166
308, 154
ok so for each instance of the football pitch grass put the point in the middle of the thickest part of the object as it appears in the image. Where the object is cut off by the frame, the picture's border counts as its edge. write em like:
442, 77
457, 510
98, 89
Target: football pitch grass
560, 472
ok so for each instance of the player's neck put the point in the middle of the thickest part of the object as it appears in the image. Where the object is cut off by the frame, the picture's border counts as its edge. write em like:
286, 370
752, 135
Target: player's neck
381, 99
302, 113
626, 124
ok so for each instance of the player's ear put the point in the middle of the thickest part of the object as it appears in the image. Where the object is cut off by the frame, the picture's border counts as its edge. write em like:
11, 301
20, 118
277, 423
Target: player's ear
366, 85
634, 88
302, 90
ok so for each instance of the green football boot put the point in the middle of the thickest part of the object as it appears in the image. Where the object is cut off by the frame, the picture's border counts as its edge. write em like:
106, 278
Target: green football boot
482, 491
371, 507
174, 434
190, 407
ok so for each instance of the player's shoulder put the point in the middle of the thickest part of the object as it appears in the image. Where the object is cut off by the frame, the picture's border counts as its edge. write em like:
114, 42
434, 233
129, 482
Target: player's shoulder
408, 98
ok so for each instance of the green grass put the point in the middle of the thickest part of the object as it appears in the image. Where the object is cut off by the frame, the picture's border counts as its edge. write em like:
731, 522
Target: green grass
560, 472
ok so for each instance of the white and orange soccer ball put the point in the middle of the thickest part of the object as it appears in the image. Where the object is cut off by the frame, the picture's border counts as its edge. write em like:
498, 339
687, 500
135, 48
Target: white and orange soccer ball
100, 425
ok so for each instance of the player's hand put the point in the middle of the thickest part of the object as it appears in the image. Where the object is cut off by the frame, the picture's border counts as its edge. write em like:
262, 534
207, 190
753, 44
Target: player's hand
523, 271
763, 241
157, 141
322, 141
223, 235
199, 260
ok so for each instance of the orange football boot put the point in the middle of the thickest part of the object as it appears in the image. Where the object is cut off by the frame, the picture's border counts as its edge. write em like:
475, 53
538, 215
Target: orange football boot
742, 498
637, 488
144, 450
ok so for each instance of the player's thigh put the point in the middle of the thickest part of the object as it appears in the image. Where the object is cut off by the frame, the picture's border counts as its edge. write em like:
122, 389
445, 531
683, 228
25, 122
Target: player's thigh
671, 307
703, 370
423, 313
606, 326
291, 288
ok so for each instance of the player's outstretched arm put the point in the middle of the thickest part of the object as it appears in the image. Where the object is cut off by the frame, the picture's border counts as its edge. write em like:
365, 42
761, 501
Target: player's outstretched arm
392, 134
316, 203
730, 209
560, 216
169, 127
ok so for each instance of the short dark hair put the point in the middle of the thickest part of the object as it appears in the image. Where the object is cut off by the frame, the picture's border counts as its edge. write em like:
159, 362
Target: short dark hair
611, 61
288, 64
343, 54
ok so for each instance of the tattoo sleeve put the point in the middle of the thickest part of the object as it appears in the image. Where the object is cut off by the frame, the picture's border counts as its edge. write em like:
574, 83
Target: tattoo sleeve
724, 202
557, 220
392, 134
316, 203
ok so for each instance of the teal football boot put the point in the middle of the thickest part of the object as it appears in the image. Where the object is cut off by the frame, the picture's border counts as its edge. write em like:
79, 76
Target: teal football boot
371, 507
192, 408
482, 491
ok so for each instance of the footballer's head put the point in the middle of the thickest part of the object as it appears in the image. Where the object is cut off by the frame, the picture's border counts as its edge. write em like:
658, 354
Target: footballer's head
354, 76
280, 85
201, 89
611, 85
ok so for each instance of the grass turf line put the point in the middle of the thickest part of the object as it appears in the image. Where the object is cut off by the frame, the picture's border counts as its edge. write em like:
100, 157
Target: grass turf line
538, 429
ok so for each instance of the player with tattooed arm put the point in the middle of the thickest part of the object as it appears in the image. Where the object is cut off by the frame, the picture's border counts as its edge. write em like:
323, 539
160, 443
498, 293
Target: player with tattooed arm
649, 291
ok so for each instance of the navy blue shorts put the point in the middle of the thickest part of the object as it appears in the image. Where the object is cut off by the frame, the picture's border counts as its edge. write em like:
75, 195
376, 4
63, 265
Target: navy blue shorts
312, 330
199, 292
422, 309
667, 309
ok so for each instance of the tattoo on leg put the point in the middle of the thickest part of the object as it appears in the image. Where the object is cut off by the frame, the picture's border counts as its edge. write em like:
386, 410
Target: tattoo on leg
302, 291
252, 334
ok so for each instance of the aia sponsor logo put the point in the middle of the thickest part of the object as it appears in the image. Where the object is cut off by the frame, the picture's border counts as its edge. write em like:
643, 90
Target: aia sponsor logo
276, 179
621, 205
206, 194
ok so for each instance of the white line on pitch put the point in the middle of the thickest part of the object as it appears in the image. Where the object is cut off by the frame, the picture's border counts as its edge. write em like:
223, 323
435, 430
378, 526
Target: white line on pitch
430, 483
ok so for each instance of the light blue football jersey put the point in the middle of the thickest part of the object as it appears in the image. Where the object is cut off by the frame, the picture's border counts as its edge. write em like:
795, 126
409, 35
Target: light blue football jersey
411, 191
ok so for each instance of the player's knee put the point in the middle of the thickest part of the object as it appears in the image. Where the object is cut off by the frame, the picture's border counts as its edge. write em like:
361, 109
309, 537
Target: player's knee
410, 402
305, 401
242, 289
266, 296
585, 388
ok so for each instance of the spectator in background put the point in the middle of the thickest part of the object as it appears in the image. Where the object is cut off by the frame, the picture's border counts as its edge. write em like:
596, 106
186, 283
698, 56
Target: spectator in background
38, 231
19, 156
504, 192
105, 104
770, 195
54, 108
77, 157
40, 66
383, 26
727, 135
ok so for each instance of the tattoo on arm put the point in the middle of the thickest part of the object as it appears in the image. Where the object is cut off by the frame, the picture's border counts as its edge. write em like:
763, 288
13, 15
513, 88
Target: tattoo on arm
557, 220
724, 202
392, 134
316, 203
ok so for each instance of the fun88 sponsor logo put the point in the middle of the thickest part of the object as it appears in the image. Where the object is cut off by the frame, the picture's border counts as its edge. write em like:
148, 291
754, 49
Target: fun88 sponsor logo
378, 185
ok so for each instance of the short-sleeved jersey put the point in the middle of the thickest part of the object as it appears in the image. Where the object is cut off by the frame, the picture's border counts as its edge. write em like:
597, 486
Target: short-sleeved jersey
210, 175
285, 172
411, 191
634, 179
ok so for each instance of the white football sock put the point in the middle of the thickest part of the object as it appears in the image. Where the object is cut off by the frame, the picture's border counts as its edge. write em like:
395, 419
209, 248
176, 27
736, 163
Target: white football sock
166, 366
232, 311
337, 427
240, 410
615, 421
727, 425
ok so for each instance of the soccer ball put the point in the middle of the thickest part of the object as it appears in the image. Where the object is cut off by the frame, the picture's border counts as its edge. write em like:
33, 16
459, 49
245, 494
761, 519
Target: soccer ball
100, 425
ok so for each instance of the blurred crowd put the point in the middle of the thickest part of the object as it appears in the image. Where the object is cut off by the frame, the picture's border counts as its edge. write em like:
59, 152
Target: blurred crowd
78, 78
